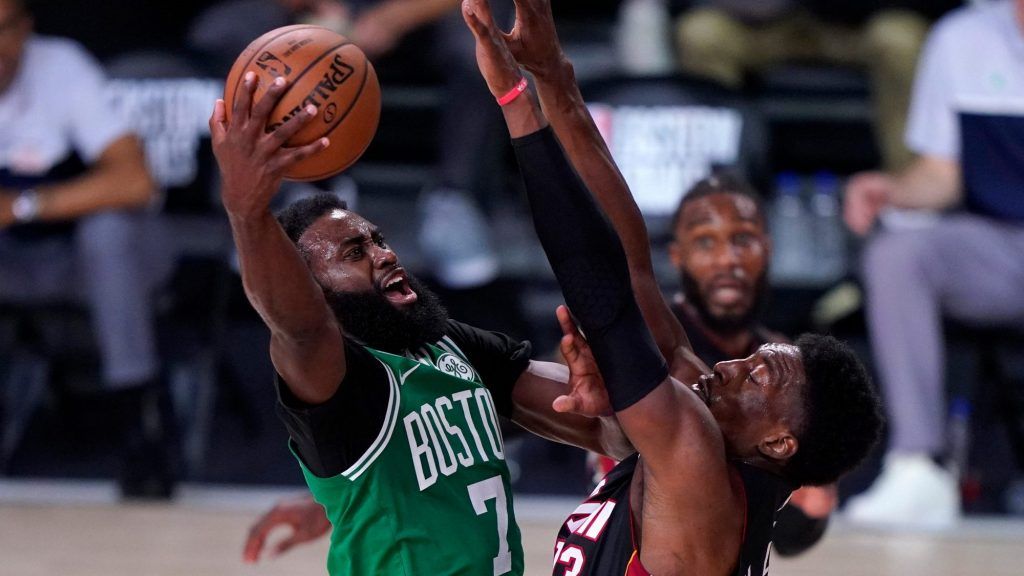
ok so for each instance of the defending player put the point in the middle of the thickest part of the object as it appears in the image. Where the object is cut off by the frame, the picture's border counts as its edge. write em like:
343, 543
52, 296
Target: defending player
716, 460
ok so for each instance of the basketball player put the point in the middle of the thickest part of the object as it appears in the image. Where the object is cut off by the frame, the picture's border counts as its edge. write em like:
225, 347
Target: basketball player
721, 250
391, 407
716, 459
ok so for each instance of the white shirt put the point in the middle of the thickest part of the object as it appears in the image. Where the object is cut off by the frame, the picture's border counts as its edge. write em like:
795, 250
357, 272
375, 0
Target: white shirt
973, 62
968, 105
55, 105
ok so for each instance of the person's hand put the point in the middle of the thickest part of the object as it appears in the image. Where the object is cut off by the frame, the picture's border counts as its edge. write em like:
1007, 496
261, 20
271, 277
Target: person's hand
304, 516
587, 395
252, 161
496, 63
685, 366
816, 501
866, 194
533, 40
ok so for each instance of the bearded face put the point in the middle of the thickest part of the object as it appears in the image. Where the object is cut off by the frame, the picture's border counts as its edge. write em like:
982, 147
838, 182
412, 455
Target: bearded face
375, 299
373, 320
721, 251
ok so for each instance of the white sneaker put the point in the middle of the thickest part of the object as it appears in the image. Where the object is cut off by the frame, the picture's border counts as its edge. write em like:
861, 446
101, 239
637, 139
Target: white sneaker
911, 492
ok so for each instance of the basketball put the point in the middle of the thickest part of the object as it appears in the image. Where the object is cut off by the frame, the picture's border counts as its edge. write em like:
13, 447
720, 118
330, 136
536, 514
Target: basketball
323, 69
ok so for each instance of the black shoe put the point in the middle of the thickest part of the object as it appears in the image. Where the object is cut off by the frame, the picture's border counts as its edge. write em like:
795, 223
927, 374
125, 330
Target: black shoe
146, 468
146, 473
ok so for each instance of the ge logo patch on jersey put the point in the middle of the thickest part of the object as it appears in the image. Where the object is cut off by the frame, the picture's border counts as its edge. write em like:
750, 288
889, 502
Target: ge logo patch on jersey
454, 366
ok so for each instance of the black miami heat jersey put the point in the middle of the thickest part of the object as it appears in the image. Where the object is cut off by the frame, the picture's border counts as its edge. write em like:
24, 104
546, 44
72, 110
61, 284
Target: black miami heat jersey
597, 539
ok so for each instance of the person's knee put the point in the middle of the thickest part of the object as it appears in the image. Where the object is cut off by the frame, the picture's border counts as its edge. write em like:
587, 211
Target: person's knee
894, 37
891, 255
109, 234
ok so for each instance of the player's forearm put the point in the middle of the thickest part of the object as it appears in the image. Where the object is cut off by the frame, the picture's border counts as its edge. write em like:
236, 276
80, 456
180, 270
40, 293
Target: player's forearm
119, 180
565, 109
586, 149
929, 183
532, 399
523, 115
276, 280
590, 265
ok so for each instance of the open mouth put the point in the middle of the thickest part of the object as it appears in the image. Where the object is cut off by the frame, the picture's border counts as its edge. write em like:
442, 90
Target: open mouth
396, 289
725, 293
703, 388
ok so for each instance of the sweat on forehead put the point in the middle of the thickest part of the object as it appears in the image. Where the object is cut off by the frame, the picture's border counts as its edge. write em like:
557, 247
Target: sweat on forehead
720, 205
338, 226
300, 215
725, 183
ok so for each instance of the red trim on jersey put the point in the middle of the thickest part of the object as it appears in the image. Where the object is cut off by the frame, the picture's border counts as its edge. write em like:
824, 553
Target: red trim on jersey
635, 567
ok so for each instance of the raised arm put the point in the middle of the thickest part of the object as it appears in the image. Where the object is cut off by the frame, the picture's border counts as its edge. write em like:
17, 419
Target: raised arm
666, 422
533, 42
306, 342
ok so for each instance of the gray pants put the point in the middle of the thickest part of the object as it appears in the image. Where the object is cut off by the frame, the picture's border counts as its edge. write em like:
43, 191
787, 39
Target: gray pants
108, 265
967, 268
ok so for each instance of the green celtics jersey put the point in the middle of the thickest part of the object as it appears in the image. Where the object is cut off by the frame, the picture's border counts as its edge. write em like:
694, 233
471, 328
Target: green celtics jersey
431, 496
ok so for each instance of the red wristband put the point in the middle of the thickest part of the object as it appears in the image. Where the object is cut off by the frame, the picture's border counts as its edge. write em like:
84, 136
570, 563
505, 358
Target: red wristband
513, 93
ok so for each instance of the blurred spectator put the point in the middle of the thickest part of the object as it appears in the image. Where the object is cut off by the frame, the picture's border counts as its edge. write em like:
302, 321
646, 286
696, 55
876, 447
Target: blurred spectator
72, 183
967, 129
721, 250
724, 39
643, 42
407, 35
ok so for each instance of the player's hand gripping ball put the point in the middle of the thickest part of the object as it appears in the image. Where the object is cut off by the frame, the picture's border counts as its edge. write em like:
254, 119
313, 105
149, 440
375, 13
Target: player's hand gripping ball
324, 69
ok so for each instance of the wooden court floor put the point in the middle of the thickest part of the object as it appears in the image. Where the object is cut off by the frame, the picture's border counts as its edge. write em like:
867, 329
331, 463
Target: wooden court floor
203, 537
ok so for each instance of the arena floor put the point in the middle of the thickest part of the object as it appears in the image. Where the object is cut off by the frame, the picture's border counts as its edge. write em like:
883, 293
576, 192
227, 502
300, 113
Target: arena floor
78, 529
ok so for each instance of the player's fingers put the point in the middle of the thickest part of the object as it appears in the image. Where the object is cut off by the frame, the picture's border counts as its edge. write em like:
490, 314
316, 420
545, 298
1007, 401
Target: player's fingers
242, 105
564, 404
290, 128
287, 544
527, 10
256, 539
482, 10
523, 8
565, 321
567, 346
476, 26
218, 120
261, 111
289, 156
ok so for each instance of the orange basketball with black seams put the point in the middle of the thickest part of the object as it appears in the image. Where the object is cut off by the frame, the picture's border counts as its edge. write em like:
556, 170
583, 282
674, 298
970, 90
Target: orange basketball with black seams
323, 69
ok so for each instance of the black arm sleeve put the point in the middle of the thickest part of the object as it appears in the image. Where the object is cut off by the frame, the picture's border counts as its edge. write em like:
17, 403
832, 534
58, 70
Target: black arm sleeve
330, 437
498, 359
590, 265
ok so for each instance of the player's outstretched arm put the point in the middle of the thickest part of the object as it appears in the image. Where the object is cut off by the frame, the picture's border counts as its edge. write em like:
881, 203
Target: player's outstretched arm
306, 341
587, 257
533, 42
